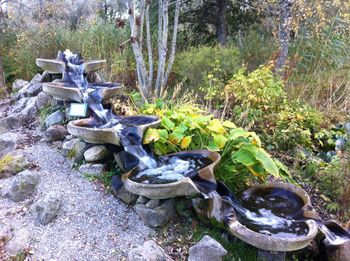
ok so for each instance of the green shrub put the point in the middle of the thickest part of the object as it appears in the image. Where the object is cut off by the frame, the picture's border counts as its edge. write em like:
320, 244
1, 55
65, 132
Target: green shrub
207, 68
253, 95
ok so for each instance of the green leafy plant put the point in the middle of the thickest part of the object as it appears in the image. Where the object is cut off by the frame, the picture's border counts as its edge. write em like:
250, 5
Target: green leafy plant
187, 128
253, 95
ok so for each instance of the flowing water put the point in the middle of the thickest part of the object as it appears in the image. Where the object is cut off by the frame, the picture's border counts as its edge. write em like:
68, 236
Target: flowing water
172, 169
267, 211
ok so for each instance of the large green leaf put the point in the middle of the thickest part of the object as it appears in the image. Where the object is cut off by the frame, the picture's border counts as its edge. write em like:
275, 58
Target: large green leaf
163, 134
176, 137
245, 157
167, 123
219, 140
239, 132
181, 128
264, 158
216, 126
150, 136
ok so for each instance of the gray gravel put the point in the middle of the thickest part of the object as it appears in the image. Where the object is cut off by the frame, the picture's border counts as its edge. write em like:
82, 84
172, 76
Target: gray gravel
91, 225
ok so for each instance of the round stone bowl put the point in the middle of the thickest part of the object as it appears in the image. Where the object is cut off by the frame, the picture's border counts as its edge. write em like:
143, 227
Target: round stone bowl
58, 66
184, 187
60, 91
85, 130
271, 242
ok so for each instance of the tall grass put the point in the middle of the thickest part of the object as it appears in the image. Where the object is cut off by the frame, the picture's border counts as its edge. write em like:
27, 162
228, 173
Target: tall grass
93, 41
317, 67
321, 73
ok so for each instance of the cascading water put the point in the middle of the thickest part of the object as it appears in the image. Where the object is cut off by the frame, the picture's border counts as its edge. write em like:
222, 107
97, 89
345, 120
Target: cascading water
104, 118
270, 213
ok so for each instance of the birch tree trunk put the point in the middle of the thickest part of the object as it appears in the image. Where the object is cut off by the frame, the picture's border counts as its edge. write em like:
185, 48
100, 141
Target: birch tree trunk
2, 73
144, 76
285, 19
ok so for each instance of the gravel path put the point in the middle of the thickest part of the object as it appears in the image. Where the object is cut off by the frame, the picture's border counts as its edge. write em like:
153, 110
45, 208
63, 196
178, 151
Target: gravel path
91, 225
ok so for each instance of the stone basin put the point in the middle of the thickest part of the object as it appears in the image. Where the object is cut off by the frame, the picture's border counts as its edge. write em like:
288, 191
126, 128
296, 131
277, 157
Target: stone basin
184, 187
58, 66
60, 91
84, 129
218, 211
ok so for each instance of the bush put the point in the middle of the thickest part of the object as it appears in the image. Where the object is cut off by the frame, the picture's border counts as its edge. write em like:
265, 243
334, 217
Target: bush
253, 95
206, 69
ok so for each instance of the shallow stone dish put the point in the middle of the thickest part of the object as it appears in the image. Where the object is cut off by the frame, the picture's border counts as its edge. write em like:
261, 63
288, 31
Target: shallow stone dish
217, 210
84, 129
60, 91
184, 187
58, 66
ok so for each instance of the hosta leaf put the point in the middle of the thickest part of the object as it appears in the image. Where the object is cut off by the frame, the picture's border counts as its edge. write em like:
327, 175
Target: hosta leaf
256, 171
245, 157
176, 137
239, 132
219, 140
264, 158
167, 123
212, 146
216, 126
229, 124
150, 136
185, 142
181, 128
163, 134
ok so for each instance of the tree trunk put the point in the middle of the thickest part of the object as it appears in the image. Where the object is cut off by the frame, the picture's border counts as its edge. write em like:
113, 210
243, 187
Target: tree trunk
221, 22
2, 73
285, 19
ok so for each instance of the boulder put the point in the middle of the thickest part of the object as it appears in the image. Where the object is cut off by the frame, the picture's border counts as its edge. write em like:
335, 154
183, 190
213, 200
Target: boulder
43, 100
11, 122
19, 105
55, 133
207, 249
21, 186
96, 170
20, 240
148, 251
7, 144
96, 153
152, 203
54, 118
11, 165
125, 196
142, 200
74, 149
33, 89
158, 216
19, 84
46, 209
36, 79
30, 111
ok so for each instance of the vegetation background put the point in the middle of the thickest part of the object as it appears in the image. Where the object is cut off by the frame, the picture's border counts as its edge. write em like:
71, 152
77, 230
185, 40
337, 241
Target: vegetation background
266, 83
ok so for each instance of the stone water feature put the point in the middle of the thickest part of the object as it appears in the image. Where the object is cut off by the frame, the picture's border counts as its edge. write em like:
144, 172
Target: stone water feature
272, 217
